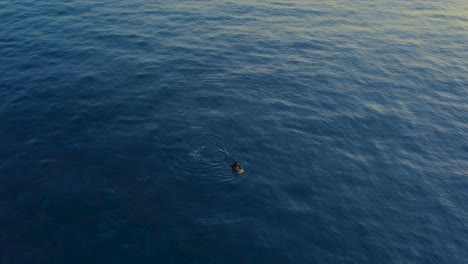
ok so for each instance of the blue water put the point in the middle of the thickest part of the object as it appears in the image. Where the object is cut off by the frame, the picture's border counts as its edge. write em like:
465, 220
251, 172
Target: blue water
119, 120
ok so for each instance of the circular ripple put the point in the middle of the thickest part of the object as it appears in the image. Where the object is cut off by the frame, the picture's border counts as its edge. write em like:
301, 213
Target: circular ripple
205, 157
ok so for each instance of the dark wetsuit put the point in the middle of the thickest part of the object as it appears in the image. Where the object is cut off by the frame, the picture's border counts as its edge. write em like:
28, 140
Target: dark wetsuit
236, 166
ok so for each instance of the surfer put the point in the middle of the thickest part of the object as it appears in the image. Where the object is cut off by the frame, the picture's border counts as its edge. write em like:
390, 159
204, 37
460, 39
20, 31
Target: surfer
236, 167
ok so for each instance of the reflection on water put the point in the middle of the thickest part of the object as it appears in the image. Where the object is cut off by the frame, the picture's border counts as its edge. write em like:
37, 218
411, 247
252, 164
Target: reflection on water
119, 120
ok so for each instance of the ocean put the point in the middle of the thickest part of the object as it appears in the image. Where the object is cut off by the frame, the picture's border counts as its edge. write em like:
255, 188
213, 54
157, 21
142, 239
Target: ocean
120, 120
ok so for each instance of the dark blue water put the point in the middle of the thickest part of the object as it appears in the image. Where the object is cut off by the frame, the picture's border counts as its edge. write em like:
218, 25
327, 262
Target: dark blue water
119, 120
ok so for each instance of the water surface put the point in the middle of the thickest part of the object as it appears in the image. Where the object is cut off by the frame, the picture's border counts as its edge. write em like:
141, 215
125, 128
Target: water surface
119, 120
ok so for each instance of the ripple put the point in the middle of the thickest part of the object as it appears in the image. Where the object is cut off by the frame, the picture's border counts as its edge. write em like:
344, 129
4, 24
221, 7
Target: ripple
204, 157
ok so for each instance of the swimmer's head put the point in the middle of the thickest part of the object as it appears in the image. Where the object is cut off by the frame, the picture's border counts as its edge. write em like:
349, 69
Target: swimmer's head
236, 167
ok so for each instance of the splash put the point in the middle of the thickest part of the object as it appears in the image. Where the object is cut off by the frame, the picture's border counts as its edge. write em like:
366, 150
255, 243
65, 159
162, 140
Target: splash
204, 157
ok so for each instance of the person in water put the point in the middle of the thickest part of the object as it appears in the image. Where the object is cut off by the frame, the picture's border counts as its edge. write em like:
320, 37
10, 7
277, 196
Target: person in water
237, 167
